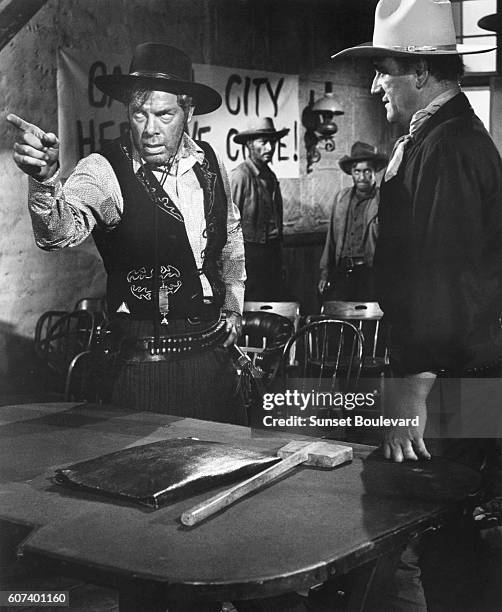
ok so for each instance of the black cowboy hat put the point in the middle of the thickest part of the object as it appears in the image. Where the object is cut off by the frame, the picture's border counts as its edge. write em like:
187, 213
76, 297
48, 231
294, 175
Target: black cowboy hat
491, 22
263, 127
361, 151
159, 67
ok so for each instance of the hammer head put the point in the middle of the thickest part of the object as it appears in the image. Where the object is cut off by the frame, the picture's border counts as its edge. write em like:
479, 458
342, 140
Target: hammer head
320, 453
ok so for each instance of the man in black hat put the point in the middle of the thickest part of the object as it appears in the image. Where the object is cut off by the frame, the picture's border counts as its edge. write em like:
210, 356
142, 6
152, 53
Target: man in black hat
256, 191
159, 208
347, 260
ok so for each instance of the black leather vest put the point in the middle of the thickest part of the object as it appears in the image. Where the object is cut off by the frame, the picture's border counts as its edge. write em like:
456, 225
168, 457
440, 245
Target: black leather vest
128, 250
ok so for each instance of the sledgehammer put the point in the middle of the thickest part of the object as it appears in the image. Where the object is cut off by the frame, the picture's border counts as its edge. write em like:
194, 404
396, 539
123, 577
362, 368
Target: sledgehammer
319, 454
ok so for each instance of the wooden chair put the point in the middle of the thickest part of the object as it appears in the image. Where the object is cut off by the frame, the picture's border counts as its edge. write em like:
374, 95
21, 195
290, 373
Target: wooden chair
96, 305
62, 340
325, 348
93, 304
290, 310
42, 327
264, 335
367, 317
262, 339
328, 366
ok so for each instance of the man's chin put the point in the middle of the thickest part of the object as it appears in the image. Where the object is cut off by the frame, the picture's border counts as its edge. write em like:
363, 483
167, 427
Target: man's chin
155, 160
390, 113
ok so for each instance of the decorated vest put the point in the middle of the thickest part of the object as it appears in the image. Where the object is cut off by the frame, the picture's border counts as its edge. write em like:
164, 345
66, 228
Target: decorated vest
128, 251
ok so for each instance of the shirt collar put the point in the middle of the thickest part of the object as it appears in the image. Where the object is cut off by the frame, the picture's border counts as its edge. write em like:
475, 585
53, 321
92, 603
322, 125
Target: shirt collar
189, 153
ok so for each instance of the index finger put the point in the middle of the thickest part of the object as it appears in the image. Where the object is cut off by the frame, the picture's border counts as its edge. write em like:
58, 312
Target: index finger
18, 122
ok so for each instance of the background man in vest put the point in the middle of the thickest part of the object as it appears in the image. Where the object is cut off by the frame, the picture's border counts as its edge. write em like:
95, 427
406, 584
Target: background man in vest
347, 260
159, 208
256, 191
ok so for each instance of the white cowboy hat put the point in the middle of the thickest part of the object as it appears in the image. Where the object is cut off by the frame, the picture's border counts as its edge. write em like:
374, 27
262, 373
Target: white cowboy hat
412, 27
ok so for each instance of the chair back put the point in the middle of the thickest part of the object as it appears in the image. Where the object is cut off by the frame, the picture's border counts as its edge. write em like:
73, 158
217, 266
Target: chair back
262, 339
290, 310
325, 348
45, 322
93, 304
60, 345
367, 316
96, 305
352, 311
264, 330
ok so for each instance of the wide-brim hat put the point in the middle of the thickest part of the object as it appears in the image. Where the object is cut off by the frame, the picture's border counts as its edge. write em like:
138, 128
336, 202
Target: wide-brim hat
491, 22
159, 67
412, 28
262, 127
362, 151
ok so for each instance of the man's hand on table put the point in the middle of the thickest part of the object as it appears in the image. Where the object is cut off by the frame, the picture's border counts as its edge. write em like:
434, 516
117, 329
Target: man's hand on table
234, 324
407, 399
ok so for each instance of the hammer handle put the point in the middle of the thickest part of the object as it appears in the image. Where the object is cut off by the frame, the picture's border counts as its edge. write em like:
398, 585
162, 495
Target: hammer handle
225, 498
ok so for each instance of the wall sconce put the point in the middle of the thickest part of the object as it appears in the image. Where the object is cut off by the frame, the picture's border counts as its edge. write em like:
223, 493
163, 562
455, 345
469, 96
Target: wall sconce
317, 119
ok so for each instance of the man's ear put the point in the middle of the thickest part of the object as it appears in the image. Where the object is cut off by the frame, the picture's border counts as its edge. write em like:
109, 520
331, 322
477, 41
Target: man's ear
421, 73
189, 113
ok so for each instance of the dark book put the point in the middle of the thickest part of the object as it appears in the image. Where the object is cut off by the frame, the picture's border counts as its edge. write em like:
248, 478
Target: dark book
157, 473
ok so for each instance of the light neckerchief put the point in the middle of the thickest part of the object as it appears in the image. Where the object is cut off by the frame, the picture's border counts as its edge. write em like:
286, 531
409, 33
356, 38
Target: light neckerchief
417, 121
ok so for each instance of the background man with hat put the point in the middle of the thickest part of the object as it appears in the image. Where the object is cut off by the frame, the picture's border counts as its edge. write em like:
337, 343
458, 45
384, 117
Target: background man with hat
159, 208
257, 193
439, 253
492, 23
347, 260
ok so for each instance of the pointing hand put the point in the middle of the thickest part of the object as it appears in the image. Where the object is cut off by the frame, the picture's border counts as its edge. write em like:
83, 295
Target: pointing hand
36, 152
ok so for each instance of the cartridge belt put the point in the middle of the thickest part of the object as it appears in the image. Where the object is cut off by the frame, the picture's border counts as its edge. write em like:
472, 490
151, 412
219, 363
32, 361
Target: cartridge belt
171, 347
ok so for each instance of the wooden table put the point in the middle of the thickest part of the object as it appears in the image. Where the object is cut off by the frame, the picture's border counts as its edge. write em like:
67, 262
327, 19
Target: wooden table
309, 526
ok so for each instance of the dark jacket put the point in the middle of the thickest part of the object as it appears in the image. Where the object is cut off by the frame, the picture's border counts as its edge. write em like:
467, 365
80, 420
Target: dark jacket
250, 194
439, 253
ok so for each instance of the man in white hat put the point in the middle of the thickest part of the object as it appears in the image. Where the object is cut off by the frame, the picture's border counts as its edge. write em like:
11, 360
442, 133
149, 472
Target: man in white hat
439, 254
257, 193
159, 208
347, 259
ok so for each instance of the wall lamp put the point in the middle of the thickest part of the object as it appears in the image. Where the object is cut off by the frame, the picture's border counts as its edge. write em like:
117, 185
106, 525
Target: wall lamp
317, 119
